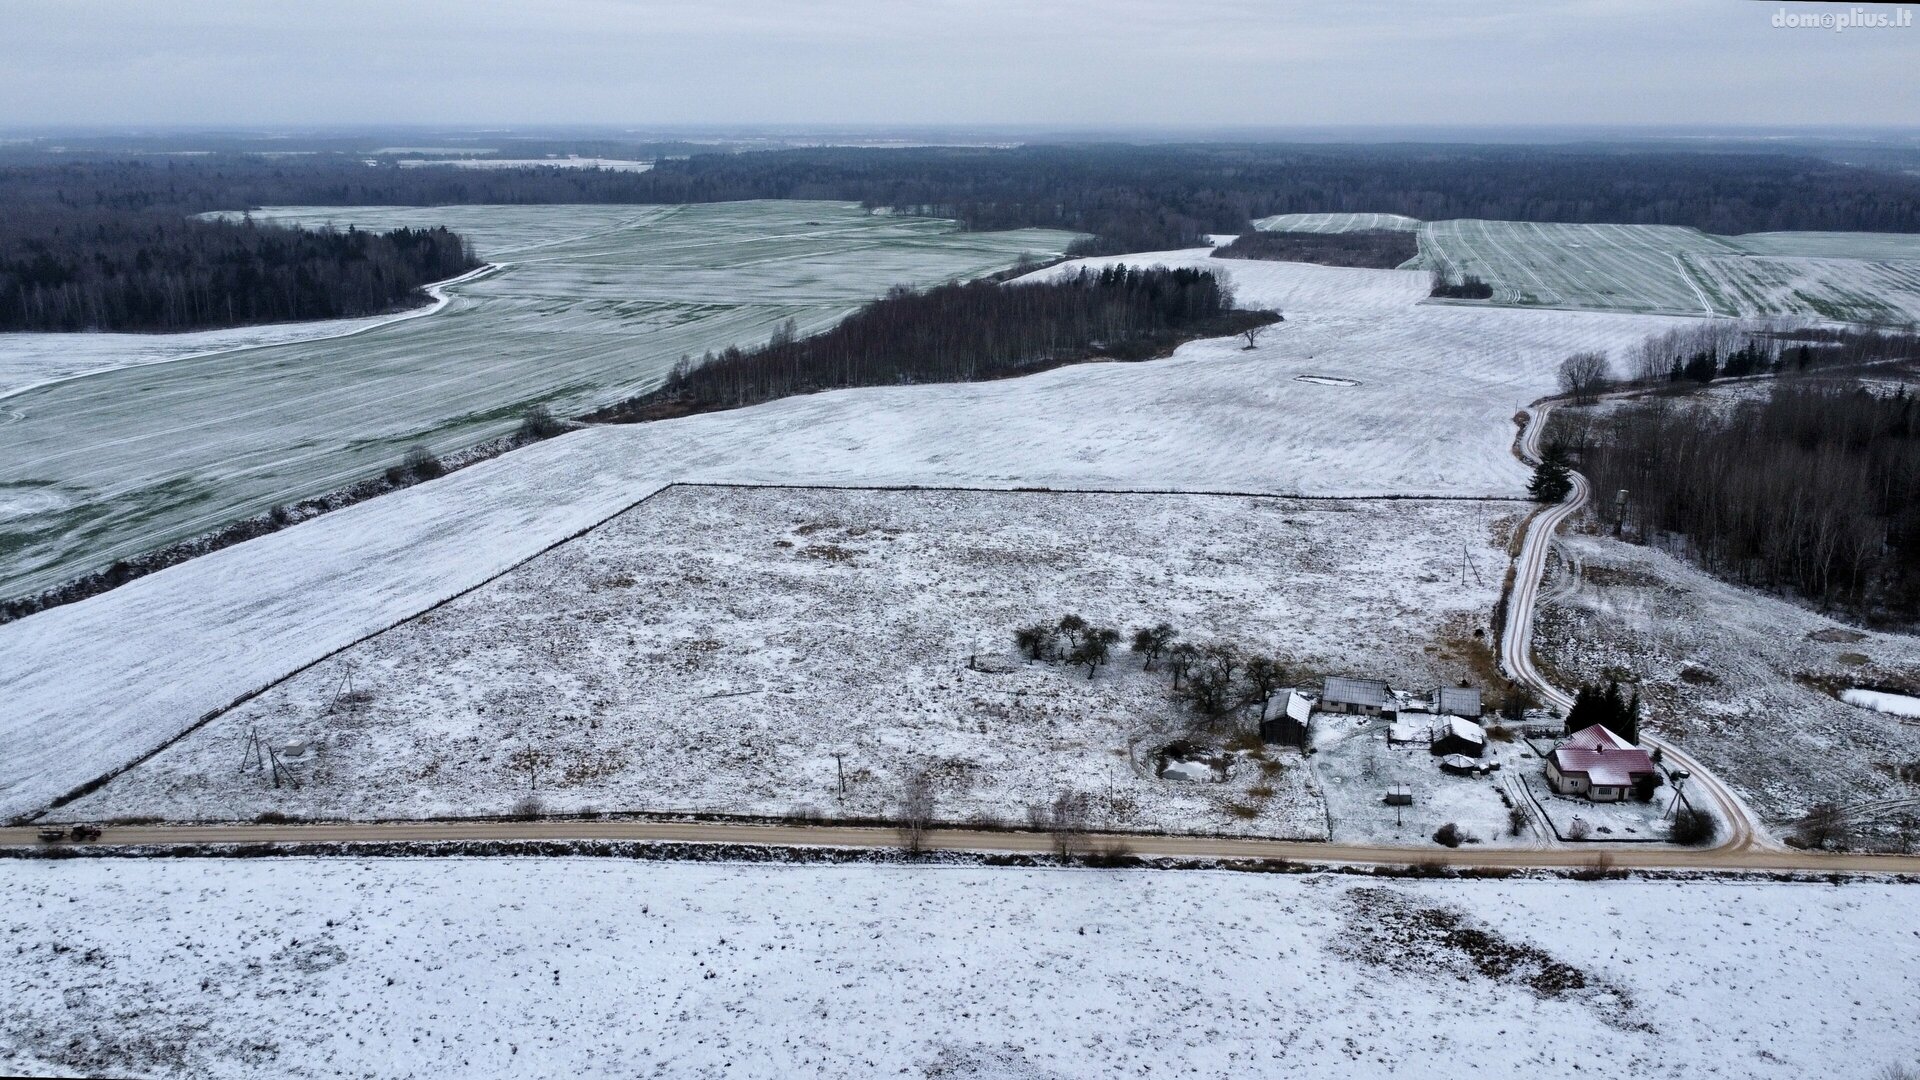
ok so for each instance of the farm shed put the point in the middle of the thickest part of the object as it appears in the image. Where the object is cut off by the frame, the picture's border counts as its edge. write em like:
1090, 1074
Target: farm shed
1369, 697
1598, 765
1284, 718
1454, 735
1458, 701
1460, 763
1400, 795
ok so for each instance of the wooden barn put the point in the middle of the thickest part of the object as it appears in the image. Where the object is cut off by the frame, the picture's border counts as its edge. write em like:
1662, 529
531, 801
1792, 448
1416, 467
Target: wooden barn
1284, 720
1454, 735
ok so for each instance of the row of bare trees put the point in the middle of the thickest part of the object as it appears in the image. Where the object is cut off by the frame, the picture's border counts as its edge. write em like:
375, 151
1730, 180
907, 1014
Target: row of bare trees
1696, 355
1814, 488
1216, 680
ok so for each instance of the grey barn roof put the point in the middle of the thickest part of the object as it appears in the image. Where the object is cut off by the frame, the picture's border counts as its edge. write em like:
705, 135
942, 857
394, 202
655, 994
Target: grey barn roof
1458, 700
1344, 691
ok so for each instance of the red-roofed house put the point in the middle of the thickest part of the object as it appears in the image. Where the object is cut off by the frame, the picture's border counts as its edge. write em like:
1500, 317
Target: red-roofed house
1597, 764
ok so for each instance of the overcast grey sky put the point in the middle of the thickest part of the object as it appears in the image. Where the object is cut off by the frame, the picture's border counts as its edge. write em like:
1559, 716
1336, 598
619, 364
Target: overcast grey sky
1068, 62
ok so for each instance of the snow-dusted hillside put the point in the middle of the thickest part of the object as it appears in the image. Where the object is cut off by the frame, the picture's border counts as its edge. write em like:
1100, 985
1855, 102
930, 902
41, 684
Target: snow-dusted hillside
714, 649
579, 967
96, 684
1747, 683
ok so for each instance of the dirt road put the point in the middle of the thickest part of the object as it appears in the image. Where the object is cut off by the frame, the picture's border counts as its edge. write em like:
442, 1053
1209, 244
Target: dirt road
1646, 857
1741, 829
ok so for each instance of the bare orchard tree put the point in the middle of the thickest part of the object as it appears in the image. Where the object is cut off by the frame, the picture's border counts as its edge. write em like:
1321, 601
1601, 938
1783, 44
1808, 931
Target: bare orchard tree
1582, 376
1094, 648
916, 810
1181, 657
1251, 335
1151, 641
1264, 675
1824, 826
1211, 682
1035, 640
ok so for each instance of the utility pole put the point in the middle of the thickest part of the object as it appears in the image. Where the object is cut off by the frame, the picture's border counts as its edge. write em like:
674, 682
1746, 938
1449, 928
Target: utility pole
840, 769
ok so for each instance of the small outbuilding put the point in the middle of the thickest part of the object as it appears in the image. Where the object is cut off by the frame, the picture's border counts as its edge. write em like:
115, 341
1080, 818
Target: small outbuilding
1461, 764
1596, 764
1284, 720
1400, 795
1367, 697
1457, 735
1458, 701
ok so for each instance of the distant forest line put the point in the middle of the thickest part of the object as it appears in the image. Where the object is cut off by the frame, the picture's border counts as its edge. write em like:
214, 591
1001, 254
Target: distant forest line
960, 333
99, 242
1131, 198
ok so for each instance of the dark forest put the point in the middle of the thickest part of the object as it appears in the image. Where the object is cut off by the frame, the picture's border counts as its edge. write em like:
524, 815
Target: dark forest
153, 271
1379, 249
959, 333
1813, 489
1131, 198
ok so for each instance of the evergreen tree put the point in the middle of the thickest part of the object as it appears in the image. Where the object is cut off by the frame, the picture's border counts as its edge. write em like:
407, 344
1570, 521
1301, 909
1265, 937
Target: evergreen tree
1589, 707
1552, 481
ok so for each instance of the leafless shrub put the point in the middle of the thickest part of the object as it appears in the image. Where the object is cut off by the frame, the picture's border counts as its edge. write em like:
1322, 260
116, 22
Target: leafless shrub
421, 463
1064, 819
1516, 820
1693, 828
1823, 826
916, 810
539, 423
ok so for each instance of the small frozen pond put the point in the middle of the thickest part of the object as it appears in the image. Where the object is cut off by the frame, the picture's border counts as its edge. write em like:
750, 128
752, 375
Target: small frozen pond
1881, 701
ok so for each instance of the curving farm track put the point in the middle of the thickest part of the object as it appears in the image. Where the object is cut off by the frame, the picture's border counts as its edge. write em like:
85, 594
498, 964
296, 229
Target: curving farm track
1516, 646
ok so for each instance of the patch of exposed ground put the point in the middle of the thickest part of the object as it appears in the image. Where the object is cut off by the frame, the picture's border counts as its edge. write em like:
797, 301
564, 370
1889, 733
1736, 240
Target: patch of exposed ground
1403, 935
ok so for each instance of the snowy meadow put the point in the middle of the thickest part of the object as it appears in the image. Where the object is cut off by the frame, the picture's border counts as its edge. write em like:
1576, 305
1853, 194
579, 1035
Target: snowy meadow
544, 967
726, 650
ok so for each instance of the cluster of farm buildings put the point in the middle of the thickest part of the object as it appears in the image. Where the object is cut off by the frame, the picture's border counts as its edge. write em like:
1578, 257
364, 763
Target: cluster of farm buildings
1593, 763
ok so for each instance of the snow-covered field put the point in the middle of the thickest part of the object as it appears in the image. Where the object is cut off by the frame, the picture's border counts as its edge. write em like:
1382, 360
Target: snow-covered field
1336, 223
31, 360
1872, 277
714, 648
581, 967
94, 685
1661, 268
1747, 683
594, 303
570, 162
